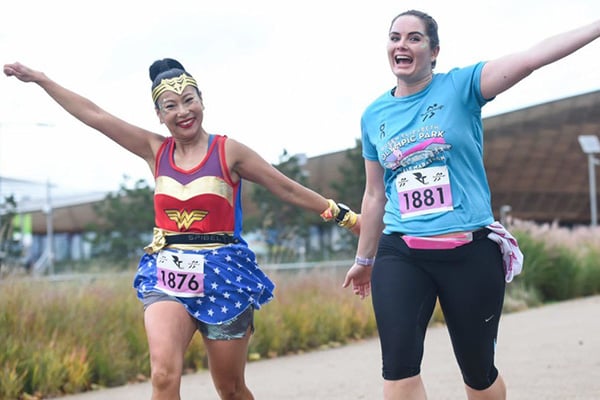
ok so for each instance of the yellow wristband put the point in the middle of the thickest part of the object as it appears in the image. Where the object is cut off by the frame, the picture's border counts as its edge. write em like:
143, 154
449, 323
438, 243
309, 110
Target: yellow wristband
331, 212
349, 220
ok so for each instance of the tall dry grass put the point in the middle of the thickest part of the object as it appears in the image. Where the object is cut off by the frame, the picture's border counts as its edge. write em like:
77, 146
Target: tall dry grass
72, 336
560, 262
581, 239
65, 337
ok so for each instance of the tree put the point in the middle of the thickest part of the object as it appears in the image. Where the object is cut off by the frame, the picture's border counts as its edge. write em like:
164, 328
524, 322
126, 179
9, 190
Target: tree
7, 212
125, 222
284, 227
351, 187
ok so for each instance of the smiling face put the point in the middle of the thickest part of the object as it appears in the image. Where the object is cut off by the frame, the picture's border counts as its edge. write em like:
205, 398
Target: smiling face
409, 49
182, 113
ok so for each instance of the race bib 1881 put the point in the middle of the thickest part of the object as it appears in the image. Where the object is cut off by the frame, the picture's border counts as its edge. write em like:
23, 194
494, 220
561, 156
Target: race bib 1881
180, 274
424, 191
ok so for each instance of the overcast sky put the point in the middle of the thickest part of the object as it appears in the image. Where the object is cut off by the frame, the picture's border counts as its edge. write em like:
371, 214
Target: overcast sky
274, 74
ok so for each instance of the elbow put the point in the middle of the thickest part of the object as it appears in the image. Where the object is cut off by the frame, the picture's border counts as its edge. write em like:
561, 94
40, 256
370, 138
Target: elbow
372, 202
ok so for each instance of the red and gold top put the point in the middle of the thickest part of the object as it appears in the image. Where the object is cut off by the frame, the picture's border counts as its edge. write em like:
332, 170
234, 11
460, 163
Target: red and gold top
199, 200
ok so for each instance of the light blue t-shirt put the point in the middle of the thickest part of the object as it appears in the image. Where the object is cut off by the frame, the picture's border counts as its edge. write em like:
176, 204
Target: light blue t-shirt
430, 145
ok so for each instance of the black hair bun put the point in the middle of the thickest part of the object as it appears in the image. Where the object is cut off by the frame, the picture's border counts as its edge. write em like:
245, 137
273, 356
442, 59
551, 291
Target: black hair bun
166, 64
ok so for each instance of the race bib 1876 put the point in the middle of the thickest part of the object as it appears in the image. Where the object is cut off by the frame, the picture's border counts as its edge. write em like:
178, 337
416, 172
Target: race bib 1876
424, 191
179, 273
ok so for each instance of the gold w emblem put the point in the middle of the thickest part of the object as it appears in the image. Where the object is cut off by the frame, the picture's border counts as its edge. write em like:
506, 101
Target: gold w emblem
184, 218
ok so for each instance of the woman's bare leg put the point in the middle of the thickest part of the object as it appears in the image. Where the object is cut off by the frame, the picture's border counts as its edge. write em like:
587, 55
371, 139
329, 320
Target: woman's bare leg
404, 389
169, 329
227, 364
495, 392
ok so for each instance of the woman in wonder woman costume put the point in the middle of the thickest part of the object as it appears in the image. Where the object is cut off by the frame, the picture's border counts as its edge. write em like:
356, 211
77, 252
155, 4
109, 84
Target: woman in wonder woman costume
198, 273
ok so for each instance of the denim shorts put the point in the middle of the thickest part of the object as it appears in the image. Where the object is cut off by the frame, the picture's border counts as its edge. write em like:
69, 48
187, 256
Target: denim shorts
235, 328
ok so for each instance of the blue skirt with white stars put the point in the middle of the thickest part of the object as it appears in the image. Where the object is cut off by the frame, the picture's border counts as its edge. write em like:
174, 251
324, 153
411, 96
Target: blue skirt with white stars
233, 281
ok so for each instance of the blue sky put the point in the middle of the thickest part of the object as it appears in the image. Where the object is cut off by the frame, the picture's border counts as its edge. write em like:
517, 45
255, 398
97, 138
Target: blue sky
274, 74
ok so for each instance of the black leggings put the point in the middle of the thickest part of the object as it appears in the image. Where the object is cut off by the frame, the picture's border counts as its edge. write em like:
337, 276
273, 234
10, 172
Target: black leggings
469, 283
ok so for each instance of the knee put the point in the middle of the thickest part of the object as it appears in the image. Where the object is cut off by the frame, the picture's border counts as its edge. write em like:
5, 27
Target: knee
496, 390
393, 371
232, 390
164, 379
406, 388
480, 380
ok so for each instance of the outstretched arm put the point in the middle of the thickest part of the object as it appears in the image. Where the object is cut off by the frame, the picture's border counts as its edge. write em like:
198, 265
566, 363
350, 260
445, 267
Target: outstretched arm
500, 74
137, 140
245, 163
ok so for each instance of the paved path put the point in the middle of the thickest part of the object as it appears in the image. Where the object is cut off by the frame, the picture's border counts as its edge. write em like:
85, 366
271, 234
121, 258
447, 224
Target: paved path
548, 353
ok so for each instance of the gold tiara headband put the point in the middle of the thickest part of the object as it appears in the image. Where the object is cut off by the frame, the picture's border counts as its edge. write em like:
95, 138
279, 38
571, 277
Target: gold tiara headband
175, 84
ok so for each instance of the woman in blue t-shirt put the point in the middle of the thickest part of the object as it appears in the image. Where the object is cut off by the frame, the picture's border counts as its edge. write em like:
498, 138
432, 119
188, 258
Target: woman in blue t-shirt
428, 230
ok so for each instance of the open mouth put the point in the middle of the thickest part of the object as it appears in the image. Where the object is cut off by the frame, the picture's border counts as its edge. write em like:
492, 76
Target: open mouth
403, 60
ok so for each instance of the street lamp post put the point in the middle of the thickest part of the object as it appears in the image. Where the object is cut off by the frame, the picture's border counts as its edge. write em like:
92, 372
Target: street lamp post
47, 259
49, 229
591, 146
